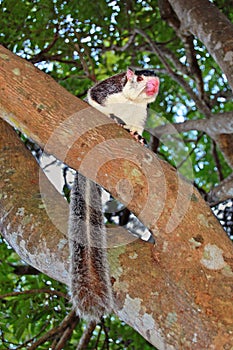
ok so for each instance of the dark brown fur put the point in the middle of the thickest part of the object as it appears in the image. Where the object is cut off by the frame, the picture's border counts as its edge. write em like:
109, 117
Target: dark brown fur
112, 85
91, 290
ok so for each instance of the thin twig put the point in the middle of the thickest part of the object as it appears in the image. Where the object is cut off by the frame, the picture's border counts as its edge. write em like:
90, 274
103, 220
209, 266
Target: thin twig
41, 56
217, 161
55, 331
34, 291
98, 337
29, 341
66, 334
87, 334
190, 152
106, 341
86, 69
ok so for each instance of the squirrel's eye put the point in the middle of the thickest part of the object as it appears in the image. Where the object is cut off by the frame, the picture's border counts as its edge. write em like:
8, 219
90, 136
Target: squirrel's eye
139, 78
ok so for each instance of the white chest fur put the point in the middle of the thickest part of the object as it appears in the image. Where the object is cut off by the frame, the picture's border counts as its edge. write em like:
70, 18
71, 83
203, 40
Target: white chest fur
133, 114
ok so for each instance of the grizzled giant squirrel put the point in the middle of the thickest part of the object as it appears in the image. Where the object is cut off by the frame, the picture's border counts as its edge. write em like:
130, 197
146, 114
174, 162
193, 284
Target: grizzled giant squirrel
124, 96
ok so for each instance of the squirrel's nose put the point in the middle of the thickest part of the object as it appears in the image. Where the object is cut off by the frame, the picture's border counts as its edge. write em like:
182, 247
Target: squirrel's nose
152, 86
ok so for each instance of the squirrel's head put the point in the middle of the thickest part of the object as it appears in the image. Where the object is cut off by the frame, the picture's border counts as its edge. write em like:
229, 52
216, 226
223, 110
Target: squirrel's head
141, 86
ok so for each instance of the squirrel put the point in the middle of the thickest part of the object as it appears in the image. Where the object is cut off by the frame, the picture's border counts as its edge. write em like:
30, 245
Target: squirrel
124, 97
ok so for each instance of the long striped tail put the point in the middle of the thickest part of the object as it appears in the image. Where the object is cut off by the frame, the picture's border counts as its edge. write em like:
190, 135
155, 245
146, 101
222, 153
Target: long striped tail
91, 290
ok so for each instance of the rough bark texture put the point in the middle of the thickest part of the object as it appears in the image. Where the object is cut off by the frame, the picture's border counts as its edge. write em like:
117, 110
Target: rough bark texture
206, 22
224, 190
24, 221
210, 25
178, 293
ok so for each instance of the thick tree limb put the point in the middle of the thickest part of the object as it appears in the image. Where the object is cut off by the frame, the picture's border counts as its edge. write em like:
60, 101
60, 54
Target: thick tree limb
221, 123
177, 294
204, 20
169, 15
219, 128
24, 220
221, 192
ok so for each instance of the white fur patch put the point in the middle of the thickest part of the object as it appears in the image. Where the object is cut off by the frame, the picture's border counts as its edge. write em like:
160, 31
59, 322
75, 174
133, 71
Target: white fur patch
133, 114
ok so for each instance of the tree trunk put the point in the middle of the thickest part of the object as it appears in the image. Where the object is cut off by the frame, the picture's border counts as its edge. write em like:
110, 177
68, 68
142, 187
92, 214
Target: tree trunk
177, 293
204, 20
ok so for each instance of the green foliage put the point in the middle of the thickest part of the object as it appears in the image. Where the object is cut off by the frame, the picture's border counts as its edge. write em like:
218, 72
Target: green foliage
26, 317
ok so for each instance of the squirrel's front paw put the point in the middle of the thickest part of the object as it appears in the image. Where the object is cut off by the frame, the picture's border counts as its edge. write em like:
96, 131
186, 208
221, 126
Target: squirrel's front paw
137, 137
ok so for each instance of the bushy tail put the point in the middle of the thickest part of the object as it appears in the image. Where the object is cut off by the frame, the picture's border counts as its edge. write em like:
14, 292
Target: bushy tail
91, 290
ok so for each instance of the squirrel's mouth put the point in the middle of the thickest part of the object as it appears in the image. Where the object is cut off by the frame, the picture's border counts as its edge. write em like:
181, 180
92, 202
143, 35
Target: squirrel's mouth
152, 86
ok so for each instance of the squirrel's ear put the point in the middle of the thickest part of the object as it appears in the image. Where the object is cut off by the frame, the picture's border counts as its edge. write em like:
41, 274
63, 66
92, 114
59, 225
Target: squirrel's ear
129, 73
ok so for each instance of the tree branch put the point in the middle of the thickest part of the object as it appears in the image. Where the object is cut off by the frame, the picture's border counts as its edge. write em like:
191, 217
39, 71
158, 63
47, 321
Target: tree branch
204, 20
169, 15
152, 287
70, 320
219, 128
217, 161
41, 56
220, 123
221, 192
34, 291
87, 334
